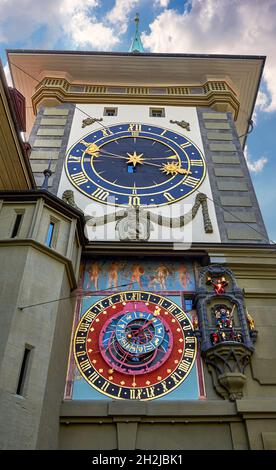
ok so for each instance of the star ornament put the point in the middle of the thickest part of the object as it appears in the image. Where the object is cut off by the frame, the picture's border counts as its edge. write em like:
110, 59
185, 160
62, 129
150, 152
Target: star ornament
173, 168
134, 158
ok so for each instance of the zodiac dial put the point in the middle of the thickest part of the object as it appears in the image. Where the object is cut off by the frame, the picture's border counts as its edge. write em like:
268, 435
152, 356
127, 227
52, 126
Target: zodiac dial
135, 345
135, 164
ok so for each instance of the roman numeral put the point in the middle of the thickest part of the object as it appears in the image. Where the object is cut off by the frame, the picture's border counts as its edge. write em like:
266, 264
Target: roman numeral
180, 316
84, 327
104, 386
100, 194
72, 159
184, 366
189, 352
80, 340
85, 365
79, 178
191, 181
184, 146
196, 162
90, 316
190, 340
93, 377
135, 129
134, 201
169, 197
106, 132
80, 353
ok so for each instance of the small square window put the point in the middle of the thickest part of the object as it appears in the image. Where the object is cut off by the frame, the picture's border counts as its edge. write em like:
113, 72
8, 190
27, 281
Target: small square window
110, 111
157, 112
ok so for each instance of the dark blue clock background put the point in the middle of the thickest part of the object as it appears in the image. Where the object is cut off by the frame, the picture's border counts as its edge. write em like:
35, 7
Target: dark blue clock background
135, 164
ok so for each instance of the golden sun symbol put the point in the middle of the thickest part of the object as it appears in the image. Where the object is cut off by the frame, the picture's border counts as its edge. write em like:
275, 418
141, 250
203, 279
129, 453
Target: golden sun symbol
134, 158
173, 169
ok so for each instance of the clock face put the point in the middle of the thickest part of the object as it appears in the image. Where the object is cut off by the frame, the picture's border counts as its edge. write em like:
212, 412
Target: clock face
135, 345
135, 164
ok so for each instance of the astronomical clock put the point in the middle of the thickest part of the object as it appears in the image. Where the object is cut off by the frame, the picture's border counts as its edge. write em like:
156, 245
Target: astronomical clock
135, 345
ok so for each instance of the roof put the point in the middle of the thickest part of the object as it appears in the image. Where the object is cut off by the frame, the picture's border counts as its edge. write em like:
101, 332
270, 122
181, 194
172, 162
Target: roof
15, 169
243, 72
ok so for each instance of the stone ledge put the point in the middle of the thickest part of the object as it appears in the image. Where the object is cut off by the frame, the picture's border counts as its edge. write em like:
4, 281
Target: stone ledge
164, 408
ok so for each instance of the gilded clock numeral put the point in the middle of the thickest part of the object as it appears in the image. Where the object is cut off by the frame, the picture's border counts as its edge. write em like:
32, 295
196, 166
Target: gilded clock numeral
80, 353
135, 129
196, 162
181, 316
191, 181
80, 340
169, 197
85, 365
171, 308
184, 146
176, 377
90, 316
106, 132
150, 392
134, 201
189, 352
184, 365
73, 159
93, 377
105, 386
100, 194
79, 178
190, 340
84, 327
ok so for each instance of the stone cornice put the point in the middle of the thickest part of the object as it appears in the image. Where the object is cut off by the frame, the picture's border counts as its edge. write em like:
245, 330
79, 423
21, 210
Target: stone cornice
216, 94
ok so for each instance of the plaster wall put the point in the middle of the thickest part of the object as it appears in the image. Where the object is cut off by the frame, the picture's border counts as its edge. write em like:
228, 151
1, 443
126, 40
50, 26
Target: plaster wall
140, 113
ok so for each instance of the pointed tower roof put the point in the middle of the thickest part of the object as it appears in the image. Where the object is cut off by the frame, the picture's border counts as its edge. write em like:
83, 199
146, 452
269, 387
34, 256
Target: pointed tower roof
136, 45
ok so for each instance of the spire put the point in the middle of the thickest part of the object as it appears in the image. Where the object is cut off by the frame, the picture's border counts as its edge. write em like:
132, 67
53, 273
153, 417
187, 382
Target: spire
136, 45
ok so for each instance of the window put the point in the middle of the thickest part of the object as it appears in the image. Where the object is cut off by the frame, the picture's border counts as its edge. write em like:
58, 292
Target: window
110, 111
23, 371
17, 224
157, 112
50, 233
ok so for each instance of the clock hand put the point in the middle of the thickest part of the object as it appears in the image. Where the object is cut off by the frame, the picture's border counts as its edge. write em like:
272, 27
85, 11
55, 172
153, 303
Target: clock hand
168, 168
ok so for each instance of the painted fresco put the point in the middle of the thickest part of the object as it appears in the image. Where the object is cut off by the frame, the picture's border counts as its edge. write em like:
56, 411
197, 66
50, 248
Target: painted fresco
174, 279
152, 275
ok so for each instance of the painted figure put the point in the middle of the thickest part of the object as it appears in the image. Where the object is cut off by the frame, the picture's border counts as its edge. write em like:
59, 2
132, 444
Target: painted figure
94, 275
162, 272
137, 272
184, 276
113, 271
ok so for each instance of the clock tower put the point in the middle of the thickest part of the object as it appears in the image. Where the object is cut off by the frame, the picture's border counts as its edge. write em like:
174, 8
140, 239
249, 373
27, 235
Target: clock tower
165, 348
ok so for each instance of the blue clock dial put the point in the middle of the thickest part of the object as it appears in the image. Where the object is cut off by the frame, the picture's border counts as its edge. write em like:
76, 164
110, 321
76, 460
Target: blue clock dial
135, 164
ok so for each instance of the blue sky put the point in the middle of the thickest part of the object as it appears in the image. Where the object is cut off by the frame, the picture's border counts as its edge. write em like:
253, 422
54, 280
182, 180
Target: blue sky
191, 26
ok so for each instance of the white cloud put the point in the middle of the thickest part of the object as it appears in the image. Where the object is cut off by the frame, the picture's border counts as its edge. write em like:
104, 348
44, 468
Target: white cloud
221, 26
70, 21
162, 3
120, 12
257, 165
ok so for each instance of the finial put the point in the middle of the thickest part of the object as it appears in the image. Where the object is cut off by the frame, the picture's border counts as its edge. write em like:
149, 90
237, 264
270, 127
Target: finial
47, 173
136, 46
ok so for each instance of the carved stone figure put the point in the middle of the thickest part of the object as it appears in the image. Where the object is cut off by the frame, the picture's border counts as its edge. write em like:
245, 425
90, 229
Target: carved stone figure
89, 121
135, 226
183, 124
68, 197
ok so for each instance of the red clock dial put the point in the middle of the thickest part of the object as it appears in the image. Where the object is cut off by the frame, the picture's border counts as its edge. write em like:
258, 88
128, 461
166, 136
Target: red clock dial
135, 345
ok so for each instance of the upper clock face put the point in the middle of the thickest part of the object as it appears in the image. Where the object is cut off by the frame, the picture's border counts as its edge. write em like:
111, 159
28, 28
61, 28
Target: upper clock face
135, 164
135, 345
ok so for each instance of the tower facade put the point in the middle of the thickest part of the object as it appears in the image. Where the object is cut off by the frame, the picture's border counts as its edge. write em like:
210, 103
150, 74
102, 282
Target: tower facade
166, 345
